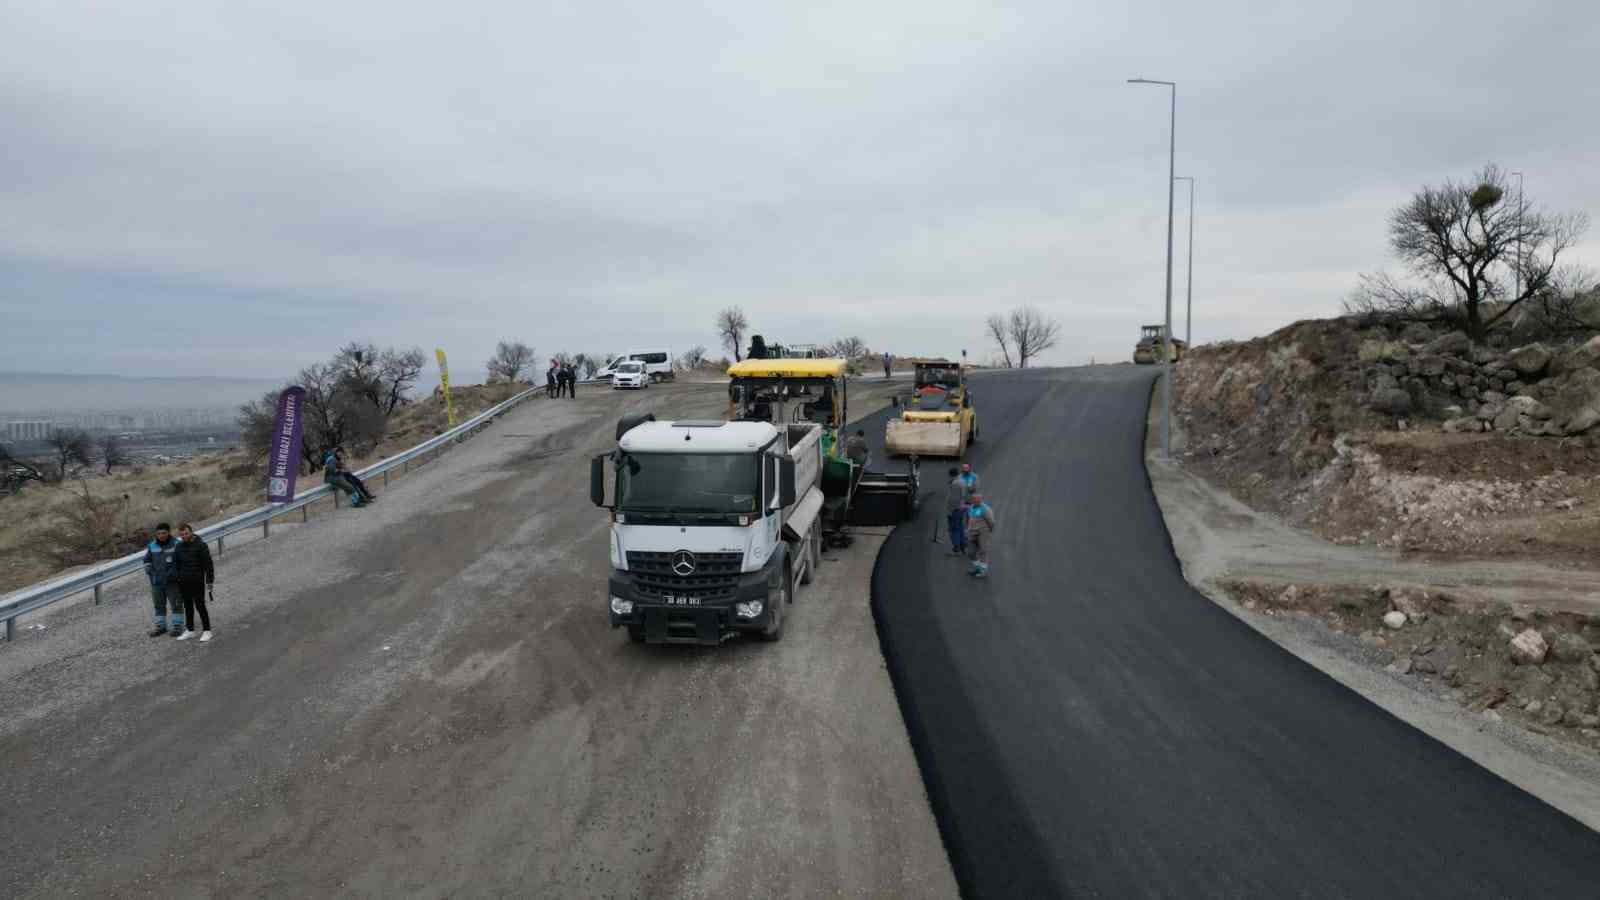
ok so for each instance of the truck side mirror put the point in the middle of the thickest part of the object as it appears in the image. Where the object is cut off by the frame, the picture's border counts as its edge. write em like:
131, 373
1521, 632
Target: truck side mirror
597, 480
786, 488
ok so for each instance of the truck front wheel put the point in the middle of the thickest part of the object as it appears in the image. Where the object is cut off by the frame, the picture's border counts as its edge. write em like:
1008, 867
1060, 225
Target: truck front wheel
777, 600
813, 553
636, 633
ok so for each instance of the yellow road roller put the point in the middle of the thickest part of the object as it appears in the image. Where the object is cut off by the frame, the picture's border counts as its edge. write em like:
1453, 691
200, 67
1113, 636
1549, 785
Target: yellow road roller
939, 418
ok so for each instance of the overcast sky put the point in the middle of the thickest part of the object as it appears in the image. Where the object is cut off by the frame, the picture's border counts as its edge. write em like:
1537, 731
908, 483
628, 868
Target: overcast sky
238, 188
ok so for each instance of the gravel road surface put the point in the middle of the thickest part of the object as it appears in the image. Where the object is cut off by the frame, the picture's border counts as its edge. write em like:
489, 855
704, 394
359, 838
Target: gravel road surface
1089, 725
423, 698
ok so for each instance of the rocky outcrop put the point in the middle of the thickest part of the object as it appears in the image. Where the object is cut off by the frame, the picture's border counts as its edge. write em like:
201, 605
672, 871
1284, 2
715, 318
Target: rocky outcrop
1531, 390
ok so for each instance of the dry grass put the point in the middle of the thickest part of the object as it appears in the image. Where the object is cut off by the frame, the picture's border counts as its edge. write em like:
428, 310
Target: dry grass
46, 526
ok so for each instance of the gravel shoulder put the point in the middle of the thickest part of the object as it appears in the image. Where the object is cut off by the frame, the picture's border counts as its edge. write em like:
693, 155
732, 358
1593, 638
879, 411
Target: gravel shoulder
1219, 539
424, 698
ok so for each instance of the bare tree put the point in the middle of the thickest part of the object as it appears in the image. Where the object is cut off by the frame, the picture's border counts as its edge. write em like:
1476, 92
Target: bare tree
566, 359
1475, 255
256, 420
338, 410
510, 360
1001, 335
86, 532
587, 364
1570, 306
731, 326
693, 358
70, 445
112, 452
398, 371
16, 471
356, 366
1032, 333
849, 348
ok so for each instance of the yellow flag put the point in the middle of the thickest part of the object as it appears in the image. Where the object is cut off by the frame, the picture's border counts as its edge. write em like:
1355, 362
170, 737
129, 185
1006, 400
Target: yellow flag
444, 382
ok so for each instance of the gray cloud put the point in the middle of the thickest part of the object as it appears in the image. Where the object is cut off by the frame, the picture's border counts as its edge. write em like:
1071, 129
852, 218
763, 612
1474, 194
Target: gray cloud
240, 190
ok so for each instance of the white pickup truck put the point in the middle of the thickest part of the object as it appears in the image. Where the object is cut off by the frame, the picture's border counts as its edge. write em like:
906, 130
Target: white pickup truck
714, 526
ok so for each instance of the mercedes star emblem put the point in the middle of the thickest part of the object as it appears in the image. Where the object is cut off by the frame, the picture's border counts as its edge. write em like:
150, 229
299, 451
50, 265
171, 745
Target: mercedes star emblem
683, 563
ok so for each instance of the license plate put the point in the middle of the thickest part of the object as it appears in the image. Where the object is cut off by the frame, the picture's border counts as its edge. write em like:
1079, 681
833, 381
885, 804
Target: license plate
680, 600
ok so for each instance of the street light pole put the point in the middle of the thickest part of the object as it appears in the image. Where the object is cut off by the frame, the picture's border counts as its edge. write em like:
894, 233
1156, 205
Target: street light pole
1520, 207
1188, 299
1166, 339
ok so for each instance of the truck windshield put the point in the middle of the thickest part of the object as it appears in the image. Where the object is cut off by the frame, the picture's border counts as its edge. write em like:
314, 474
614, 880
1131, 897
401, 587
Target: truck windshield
688, 482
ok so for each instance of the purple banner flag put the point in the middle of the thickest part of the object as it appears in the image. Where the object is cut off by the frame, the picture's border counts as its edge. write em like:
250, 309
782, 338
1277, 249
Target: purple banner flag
283, 462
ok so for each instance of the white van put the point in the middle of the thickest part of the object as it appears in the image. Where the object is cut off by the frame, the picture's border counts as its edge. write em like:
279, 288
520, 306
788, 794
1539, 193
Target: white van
657, 364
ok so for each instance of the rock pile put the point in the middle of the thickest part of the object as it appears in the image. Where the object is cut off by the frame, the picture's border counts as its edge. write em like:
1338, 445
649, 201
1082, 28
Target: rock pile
1532, 390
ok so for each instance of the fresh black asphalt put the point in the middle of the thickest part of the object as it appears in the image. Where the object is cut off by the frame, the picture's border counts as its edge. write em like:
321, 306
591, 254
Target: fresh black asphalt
1088, 725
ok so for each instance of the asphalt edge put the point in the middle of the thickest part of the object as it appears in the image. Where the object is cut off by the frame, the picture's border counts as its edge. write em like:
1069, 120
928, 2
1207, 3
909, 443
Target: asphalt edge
1450, 727
1025, 869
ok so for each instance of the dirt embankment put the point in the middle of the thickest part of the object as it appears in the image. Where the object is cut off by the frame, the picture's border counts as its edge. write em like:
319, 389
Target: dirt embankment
199, 491
1457, 480
1405, 439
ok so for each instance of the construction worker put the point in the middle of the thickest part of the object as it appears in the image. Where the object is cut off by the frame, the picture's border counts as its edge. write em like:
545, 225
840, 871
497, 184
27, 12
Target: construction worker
980, 531
888, 364
970, 479
855, 447
160, 565
955, 508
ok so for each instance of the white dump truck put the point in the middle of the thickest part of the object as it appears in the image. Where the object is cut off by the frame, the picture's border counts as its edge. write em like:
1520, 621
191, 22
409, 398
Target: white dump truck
714, 526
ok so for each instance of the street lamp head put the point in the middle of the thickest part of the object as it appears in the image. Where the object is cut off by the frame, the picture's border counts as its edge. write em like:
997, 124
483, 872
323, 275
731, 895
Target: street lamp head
1151, 81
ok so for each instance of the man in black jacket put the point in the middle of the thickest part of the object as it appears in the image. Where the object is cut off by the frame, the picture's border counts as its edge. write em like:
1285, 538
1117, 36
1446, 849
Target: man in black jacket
195, 574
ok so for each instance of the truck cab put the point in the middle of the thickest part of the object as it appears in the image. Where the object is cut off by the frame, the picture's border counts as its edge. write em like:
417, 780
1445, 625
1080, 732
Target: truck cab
713, 526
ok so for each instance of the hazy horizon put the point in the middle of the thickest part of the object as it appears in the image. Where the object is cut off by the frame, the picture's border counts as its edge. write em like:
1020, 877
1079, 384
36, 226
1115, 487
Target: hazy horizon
230, 189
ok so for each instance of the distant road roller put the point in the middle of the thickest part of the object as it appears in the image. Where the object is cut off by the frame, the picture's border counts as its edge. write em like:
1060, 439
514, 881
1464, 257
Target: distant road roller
1150, 347
939, 419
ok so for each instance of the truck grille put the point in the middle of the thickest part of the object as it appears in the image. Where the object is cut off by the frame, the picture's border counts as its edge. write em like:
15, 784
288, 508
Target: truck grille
715, 576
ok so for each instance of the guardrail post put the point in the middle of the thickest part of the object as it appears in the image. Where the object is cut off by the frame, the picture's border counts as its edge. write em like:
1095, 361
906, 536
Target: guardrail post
97, 595
335, 499
266, 529
220, 539
11, 630
305, 513
385, 477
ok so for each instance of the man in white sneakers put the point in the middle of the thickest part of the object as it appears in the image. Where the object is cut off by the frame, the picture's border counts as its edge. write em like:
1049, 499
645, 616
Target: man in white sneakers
980, 531
195, 574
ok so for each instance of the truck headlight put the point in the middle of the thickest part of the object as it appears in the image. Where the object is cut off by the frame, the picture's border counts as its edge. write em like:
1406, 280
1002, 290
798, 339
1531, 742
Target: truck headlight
747, 610
621, 607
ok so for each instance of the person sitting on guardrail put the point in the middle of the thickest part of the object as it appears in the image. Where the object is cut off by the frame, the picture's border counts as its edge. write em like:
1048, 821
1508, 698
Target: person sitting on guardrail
195, 575
160, 565
367, 496
334, 478
980, 531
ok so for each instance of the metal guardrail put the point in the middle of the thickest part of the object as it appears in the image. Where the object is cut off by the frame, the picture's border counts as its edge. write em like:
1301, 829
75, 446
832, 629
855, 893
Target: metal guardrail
45, 593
